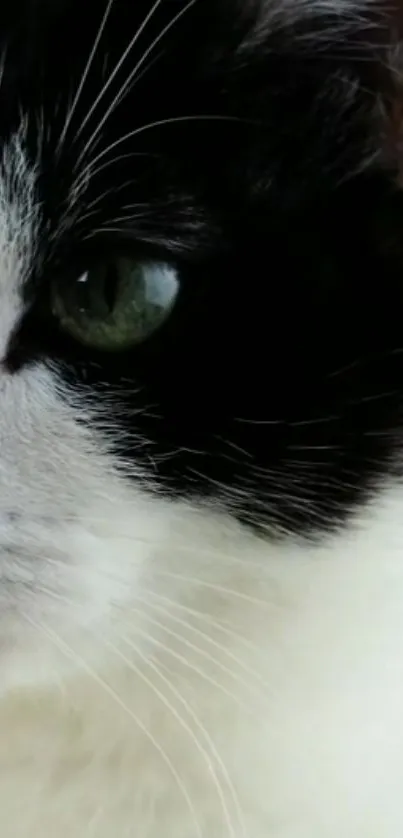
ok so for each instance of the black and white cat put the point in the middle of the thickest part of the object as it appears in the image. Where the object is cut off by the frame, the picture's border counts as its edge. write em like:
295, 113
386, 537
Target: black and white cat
201, 419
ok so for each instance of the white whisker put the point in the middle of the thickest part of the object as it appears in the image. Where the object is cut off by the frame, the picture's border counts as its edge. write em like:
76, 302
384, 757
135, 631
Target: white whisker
125, 219
94, 172
131, 666
3, 64
98, 231
221, 589
86, 217
111, 78
83, 179
169, 631
159, 644
84, 77
185, 624
128, 85
78, 660
157, 124
200, 615
107, 193
195, 648
207, 553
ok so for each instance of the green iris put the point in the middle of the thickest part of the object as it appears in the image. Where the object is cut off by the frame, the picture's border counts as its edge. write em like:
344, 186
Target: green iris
117, 304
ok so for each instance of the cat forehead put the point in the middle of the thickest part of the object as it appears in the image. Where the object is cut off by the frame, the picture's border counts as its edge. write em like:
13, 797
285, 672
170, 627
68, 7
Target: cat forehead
64, 32
105, 85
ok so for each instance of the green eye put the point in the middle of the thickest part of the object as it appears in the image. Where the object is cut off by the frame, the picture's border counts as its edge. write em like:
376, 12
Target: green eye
116, 305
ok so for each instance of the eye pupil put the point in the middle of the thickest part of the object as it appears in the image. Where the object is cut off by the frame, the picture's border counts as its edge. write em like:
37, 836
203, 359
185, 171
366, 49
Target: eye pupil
111, 285
82, 294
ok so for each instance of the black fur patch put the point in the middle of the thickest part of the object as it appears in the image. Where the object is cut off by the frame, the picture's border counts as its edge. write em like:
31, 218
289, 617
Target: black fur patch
253, 144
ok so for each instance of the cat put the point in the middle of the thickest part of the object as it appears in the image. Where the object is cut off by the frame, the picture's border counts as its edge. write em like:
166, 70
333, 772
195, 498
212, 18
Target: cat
201, 419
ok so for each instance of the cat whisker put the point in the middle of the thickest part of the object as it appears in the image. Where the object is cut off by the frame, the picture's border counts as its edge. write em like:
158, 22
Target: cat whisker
111, 191
118, 159
191, 713
131, 80
176, 548
197, 649
205, 637
185, 549
98, 231
84, 77
204, 617
125, 219
111, 77
220, 589
107, 193
79, 661
161, 123
3, 60
82, 181
250, 710
184, 641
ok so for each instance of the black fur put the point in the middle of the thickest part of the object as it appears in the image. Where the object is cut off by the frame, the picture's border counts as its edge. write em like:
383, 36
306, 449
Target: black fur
277, 384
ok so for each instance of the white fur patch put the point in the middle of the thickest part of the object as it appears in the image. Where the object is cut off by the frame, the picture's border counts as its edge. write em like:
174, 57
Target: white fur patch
18, 233
164, 672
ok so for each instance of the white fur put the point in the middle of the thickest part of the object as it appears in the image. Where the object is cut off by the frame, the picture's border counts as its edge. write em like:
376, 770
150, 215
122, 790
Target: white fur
165, 673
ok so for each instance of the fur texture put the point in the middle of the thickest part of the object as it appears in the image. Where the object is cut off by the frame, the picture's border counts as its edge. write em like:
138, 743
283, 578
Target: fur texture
201, 539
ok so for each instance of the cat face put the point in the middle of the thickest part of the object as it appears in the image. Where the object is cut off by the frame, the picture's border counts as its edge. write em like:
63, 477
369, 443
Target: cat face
200, 293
